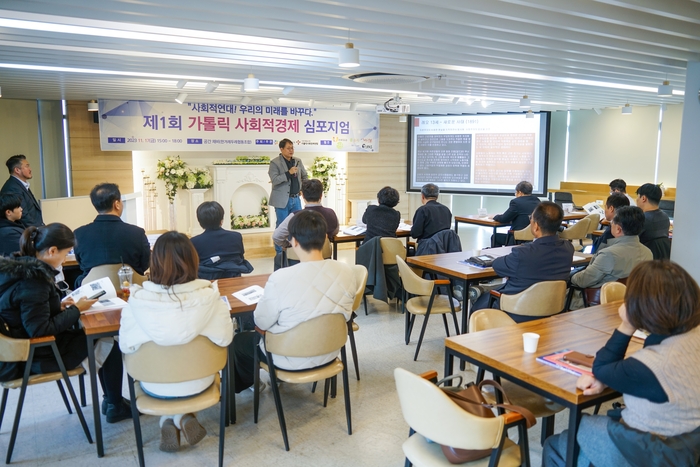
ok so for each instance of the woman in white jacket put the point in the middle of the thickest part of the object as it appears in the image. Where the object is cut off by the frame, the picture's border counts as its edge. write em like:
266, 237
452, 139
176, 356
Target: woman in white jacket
173, 308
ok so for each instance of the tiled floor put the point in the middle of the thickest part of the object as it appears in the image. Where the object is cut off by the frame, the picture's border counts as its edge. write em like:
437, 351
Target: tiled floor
318, 436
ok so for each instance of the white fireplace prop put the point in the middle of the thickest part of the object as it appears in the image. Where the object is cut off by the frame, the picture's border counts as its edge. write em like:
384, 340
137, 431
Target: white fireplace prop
242, 187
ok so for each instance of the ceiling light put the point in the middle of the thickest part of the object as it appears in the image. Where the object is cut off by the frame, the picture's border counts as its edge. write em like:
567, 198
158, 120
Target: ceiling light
469, 101
525, 102
251, 83
181, 97
287, 90
275, 101
485, 104
349, 57
598, 111
627, 110
181, 84
93, 106
436, 98
311, 102
666, 90
455, 100
353, 106
246, 100
211, 87
530, 114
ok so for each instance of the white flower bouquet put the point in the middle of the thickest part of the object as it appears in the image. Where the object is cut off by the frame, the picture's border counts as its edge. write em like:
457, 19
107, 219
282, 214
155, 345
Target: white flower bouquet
324, 168
172, 171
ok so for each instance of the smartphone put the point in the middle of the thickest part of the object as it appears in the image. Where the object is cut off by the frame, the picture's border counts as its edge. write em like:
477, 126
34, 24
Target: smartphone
97, 295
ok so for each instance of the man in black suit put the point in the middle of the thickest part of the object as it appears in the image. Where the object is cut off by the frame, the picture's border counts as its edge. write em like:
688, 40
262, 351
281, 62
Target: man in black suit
518, 212
432, 217
11, 227
220, 251
547, 258
17, 184
108, 239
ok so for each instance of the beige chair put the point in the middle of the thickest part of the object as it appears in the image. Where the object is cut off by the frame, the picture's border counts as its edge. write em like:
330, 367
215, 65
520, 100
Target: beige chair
523, 235
542, 299
432, 415
361, 281
391, 248
22, 350
611, 292
594, 222
197, 359
578, 231
541, 407
326, 251
319, 336
110, 270
426, 301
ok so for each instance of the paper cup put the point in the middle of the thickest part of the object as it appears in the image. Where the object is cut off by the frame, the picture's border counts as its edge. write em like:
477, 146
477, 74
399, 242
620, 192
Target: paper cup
482, 212
530, 340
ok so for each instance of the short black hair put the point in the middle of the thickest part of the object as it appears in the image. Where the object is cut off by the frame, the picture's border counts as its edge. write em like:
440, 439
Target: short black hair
14, 162
651, 191
617, 200
210, 214
104, 195
388, 196
548, 216
618, 185
312, 189
430, 190
524, 188
284, 142
8, 202
309, 229
630, 219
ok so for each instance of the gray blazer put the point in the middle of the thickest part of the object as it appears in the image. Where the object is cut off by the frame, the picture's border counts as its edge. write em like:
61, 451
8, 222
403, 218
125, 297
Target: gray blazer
279, 196
615, 260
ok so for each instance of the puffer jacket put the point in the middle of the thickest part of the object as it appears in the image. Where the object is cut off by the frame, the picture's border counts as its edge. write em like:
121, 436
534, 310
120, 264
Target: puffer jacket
302, 292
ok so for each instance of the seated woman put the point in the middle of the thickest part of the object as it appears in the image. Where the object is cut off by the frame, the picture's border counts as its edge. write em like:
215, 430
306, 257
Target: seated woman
660, 424
383, 220
173, 308
30, 304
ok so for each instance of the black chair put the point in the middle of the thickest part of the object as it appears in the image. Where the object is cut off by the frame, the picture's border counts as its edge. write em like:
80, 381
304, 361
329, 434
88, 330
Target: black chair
667, 206
561, 197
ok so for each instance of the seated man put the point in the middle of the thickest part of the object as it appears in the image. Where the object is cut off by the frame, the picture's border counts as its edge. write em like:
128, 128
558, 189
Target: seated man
620, 186
614, 202
431, 217
296, 294
547, 258
220, 251
656, 224
11, 226
109, 240
518, 212
616, 258
312, 192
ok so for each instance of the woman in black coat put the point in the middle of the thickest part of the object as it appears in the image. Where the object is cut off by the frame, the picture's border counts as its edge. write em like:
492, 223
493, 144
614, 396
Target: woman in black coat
383, 220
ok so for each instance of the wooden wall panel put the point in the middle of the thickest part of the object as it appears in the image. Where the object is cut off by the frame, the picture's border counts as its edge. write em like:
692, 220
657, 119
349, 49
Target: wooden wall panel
89, 164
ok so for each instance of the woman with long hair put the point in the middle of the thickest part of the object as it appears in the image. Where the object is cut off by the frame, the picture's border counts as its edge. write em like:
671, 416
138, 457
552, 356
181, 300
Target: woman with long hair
173, 308
31, 306
660, 424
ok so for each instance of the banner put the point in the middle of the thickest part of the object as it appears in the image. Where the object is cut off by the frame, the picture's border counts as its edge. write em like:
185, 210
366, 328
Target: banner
192, 126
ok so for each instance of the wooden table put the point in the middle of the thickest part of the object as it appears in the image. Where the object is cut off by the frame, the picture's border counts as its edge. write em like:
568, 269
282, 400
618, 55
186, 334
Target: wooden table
344, 238
500, 351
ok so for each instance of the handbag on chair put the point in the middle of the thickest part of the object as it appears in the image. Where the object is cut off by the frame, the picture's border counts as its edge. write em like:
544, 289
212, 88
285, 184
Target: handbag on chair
472, 400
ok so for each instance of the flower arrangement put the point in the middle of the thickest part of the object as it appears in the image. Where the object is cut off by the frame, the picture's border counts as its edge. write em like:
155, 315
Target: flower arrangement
172, 171
250, 222
198, 178
324, 168
244, 160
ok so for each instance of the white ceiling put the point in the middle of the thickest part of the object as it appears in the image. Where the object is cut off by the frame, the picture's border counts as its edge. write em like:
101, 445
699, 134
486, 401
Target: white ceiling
564, 54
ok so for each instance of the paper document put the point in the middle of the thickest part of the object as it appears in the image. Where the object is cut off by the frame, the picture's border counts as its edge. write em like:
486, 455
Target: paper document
250, 295
354, 230
579, 258
107, 301
405, 227
639, 334
152, 239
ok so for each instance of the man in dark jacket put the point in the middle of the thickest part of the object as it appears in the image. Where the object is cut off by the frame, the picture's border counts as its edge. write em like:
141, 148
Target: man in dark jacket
11, 226
518, 212
432, 217
547, 258
109, 240
17, 185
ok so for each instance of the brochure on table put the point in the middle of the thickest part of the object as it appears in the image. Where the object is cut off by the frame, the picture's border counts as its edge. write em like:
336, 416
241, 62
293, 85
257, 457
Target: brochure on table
108, 301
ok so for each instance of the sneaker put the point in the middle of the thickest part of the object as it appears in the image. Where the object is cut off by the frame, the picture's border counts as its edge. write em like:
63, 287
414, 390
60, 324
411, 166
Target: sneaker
192, 430
169, 436
118, 412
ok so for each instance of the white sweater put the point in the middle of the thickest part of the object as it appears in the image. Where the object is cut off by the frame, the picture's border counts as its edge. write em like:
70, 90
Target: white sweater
175, 316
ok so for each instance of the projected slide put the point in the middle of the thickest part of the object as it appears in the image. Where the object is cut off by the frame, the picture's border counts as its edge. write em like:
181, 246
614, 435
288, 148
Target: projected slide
478, 154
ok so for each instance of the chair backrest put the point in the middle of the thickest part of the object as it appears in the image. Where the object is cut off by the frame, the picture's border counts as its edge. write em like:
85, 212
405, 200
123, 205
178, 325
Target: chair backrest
612, 291
489, 318
660, 247
411, 282
155, 363
361, 280
326, 251
561, 197
13, 350
594, 221
542, 299
430, 412
318, 336
110, 270
391, 248
577, 231
523, 235
668, 206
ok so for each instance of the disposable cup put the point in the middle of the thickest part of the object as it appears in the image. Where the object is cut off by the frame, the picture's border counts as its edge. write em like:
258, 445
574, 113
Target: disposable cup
482, 212
530, 340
